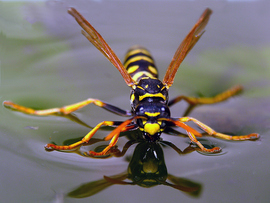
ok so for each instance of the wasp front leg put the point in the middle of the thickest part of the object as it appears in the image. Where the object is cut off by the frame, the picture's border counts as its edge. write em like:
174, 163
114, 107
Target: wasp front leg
193, 101
192, 133
65, 110
113, 136
193, 139
85, 139
210, 131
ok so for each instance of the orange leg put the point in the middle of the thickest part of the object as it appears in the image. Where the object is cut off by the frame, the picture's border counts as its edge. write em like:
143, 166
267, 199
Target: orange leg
181, 124
210, 131
114, 135
79, 143
191, 134
193, 138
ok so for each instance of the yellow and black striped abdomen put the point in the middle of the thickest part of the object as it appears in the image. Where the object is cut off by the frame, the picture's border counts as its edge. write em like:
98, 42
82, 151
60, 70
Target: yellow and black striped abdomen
139, 63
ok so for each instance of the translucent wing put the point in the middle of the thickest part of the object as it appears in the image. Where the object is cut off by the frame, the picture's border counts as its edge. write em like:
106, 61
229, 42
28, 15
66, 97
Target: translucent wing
96, 39
187, 44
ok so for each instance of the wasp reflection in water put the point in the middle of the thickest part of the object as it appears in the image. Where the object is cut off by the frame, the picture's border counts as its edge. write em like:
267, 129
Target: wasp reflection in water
146, 168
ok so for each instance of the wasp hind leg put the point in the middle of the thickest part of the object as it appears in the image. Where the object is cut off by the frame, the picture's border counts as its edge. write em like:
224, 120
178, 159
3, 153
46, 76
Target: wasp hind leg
193, 139
65, 110
194, 101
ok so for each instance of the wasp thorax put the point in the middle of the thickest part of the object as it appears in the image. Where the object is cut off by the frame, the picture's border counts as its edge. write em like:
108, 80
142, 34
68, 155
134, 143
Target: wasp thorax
149, 90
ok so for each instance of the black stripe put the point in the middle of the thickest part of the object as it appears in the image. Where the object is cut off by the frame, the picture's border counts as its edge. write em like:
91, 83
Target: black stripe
138, 54
142, 63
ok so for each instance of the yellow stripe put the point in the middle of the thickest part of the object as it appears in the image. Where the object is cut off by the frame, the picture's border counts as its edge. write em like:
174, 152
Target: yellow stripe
163, 88
132, 69
137, 58
152, 69
132, 97
140, 87
152, 95
152, 114
136, 51
149, 180
141, 73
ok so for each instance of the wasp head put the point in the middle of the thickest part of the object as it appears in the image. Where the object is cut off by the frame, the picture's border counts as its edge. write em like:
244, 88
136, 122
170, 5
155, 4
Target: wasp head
152, 119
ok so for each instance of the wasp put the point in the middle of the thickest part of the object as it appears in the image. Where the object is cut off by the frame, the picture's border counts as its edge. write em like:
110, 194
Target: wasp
150, 106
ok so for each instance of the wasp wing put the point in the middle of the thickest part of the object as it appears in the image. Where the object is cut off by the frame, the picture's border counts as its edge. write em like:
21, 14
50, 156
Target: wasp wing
187, 44
97, 40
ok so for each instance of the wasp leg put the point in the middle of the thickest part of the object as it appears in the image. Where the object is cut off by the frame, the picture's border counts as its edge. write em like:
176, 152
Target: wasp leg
113, 135
210, 131
183, 125
191, 134
65, 110
85, 139
193, 101
193, 139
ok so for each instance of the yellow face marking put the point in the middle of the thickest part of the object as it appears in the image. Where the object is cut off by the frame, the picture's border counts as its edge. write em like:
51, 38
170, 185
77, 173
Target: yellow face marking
132, 69
137, 58
146, 86
152, 95
152, 69
151, 128
152, 114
